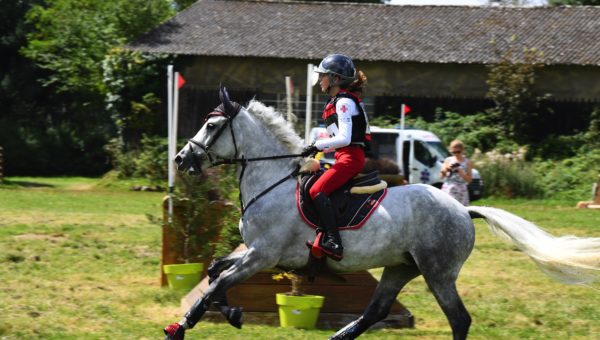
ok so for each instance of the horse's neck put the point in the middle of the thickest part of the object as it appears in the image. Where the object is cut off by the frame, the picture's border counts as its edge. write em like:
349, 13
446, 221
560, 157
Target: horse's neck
255, 141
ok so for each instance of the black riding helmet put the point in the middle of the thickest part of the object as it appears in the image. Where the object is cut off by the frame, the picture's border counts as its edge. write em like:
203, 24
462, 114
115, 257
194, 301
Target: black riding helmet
338, 65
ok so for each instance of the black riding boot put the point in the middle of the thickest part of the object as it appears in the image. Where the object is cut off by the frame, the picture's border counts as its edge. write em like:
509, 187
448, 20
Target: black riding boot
331, 243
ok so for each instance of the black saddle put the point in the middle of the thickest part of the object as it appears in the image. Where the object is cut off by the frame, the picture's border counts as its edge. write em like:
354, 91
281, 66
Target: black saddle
351, 210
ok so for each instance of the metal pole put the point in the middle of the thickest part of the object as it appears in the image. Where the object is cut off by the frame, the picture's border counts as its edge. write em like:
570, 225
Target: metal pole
170, 132
288, 97
309, 87
401, 151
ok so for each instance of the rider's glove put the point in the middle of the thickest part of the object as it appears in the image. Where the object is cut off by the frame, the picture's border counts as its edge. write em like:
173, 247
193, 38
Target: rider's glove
309, 150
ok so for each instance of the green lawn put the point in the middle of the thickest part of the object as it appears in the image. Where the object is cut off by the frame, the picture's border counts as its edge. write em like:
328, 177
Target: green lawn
80, 260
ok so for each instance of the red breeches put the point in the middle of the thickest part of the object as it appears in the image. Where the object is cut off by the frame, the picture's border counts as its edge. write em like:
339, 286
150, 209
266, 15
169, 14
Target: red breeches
349, 162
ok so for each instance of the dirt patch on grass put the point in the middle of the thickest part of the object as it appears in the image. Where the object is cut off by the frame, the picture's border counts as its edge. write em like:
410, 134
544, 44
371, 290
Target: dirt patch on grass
41, 237
54, 219
81, 187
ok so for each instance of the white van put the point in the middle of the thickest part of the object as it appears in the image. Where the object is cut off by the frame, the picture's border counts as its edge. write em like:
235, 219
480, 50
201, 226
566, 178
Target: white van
421, 158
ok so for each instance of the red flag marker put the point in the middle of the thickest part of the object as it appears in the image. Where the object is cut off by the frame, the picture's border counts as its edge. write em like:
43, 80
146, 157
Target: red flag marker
180, 81
406, 109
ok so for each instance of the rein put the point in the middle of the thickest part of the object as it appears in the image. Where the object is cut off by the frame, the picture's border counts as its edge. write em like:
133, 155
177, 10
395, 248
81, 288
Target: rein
219, 111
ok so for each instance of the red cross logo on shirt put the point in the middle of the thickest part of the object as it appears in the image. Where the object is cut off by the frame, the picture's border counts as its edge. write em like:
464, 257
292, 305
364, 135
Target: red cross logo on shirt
344, 108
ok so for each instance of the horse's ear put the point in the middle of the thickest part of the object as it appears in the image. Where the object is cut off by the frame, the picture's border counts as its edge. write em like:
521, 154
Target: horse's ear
227, 105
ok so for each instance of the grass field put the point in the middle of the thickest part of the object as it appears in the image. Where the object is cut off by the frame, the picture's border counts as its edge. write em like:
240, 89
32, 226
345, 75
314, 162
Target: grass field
79, 260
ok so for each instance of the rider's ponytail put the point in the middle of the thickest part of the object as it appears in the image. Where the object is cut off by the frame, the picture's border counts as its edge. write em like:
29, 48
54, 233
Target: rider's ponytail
358, 85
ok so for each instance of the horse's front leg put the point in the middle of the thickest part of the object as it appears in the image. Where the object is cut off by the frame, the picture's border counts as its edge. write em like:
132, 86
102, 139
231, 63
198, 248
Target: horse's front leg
217, 266
251, 263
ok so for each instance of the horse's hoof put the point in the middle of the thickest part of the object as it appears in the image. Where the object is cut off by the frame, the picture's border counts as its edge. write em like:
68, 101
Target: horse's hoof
236, 317
174, 331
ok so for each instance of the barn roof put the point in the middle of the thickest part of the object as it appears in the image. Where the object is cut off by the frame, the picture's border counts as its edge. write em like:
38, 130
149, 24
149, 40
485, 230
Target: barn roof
374, 32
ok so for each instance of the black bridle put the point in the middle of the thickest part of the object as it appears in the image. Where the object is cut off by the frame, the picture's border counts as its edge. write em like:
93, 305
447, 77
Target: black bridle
230, 110
219, 111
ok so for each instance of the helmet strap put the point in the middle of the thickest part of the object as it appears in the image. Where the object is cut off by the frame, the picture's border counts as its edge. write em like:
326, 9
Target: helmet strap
331, 83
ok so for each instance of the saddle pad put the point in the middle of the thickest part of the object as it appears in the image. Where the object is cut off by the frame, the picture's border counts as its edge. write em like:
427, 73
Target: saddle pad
352, 210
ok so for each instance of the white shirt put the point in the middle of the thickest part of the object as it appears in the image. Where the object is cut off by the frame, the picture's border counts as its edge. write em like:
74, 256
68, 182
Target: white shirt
340, 135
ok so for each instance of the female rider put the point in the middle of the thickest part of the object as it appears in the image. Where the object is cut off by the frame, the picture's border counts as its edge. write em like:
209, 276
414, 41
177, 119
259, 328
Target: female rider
348, 128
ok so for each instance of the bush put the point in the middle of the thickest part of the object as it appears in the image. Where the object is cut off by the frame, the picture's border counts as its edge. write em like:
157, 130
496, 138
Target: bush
152, 162
205, 222
571, 178
508, 175
149, 161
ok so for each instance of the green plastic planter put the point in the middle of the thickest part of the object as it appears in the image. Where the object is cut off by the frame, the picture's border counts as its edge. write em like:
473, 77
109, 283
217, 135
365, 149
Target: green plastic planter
299, 311
183, 276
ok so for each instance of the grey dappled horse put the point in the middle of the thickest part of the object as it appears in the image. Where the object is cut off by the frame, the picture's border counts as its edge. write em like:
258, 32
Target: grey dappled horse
416, 230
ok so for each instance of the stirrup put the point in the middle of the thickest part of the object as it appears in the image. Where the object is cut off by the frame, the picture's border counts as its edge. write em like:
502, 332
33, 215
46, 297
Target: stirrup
331, 254
318, 251
315, 250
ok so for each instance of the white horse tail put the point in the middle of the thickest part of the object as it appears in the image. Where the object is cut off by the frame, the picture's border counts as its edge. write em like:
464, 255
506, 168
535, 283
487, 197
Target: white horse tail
568, 259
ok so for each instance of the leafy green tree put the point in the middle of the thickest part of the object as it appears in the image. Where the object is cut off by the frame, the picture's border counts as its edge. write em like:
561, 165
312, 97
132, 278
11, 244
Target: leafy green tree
509, 2
357, 1
183, 4
54, 119
71, 38
574, 2
132, 101
511, 86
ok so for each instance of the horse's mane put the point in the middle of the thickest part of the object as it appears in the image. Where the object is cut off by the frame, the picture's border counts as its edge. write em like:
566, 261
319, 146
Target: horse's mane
276, 124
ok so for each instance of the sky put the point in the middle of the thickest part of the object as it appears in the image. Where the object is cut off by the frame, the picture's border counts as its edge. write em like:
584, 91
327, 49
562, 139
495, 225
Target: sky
454, 2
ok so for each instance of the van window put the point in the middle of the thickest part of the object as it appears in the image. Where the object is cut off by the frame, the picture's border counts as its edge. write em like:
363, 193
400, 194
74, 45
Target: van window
383, 145
423, 155
439, 148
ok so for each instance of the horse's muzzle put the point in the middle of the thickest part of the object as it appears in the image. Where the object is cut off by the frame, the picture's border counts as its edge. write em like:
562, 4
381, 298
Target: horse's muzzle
179, 162
187, 161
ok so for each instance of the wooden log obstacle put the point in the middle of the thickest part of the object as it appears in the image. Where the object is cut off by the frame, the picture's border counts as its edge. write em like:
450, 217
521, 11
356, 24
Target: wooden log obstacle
344, 301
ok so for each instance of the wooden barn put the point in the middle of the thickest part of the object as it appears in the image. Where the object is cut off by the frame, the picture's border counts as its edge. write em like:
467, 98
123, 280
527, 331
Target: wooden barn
426, 56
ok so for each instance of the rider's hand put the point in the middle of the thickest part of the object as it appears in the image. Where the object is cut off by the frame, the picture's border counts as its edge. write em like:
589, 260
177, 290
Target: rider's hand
309, 150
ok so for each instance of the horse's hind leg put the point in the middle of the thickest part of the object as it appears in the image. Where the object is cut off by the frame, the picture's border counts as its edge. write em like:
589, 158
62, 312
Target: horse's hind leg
392, 281
443, 288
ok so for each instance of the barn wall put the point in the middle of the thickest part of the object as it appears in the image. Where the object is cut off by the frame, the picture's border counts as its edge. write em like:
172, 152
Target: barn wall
266, 75
575, 90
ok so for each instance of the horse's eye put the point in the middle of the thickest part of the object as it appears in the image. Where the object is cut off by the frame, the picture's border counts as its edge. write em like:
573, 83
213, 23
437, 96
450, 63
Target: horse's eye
210, 126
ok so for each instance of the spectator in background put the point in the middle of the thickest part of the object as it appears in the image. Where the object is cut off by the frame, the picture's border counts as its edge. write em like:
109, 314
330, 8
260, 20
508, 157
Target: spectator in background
456, 172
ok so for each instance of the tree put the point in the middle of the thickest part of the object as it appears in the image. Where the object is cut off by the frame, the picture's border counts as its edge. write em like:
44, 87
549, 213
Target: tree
510, 2
511, 82
183, 4
574, 2
71, 37
356, 1
53, 89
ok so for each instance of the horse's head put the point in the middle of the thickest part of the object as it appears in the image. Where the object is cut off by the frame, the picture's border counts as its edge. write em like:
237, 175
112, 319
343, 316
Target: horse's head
215, 142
